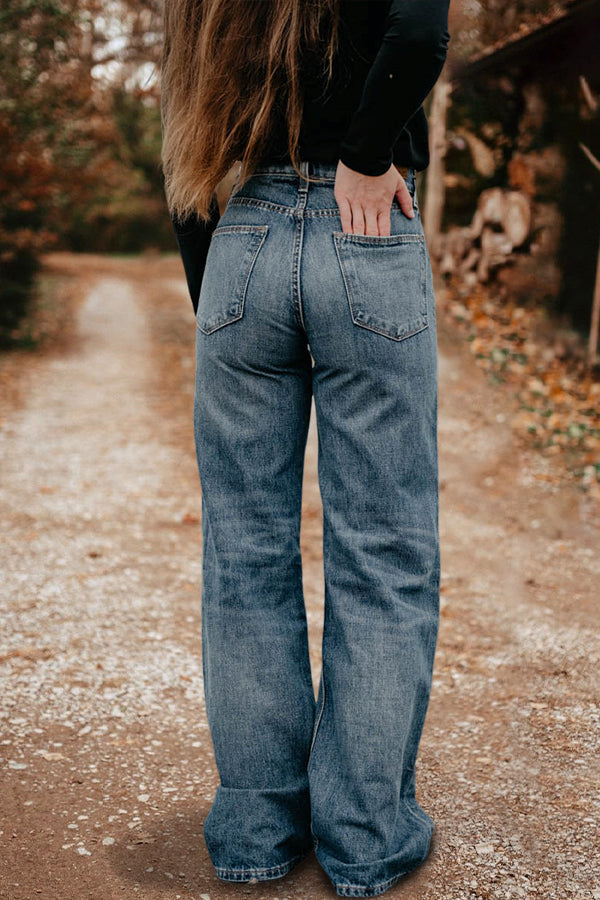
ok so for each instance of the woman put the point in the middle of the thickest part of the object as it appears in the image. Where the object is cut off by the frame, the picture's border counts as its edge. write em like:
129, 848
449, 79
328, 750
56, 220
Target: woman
315, 280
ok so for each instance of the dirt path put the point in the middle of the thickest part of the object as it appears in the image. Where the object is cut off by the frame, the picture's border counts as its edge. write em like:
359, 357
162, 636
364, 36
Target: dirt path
106, 765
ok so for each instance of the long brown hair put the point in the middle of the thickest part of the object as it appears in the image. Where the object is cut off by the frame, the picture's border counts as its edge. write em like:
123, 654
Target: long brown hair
228, 67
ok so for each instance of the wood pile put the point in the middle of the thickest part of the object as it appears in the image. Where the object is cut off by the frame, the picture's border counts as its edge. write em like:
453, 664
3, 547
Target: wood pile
512, 239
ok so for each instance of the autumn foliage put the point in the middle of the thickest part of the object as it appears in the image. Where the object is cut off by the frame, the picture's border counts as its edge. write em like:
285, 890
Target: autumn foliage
79, 151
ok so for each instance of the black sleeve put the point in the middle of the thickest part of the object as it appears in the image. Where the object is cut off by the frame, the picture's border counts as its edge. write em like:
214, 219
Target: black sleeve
193, 239
406, 67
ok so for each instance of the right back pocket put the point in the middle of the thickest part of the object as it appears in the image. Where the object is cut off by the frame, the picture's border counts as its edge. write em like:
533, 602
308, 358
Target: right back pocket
385, 280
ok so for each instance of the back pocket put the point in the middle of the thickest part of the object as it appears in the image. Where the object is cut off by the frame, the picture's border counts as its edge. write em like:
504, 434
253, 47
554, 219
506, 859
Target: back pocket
231, 257
386, 281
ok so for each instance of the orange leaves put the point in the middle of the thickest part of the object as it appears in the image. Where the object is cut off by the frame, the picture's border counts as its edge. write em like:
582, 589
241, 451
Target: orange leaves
543, 362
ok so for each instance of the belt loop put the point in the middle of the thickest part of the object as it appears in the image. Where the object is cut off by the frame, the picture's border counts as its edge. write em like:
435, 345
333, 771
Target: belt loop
303, 185
304, 168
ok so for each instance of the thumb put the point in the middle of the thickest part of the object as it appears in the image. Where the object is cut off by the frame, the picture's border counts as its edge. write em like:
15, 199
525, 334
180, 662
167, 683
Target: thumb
404, 198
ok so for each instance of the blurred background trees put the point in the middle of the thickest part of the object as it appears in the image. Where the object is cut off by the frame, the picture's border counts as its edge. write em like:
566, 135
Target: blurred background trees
79, 136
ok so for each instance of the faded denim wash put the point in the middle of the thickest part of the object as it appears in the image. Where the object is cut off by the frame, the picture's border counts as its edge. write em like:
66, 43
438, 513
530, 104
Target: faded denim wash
291, 307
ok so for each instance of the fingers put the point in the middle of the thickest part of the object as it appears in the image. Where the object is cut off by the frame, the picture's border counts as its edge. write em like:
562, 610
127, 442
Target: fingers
365, 202
356, 221
385, 223
371, 217
359, 220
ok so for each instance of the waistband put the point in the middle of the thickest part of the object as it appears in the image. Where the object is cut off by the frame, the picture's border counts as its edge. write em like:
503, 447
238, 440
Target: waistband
322, 170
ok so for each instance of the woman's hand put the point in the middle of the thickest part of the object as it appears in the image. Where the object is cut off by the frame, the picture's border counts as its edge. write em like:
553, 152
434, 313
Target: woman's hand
365, 201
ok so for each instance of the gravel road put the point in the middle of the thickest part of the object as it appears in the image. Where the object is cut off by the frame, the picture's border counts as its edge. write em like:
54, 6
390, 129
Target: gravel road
106, 765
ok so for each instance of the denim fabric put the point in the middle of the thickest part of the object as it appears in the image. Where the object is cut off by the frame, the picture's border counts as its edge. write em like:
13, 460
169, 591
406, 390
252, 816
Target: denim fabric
291, 307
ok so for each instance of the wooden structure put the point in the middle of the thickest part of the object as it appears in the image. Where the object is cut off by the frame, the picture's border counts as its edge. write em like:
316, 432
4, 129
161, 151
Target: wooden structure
522, 178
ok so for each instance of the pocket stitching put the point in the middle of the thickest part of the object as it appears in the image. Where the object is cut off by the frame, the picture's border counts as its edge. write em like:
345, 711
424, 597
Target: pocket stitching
255, 230
413, 326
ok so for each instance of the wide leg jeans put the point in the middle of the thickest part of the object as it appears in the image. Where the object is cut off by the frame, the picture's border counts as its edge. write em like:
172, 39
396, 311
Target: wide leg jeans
290, 308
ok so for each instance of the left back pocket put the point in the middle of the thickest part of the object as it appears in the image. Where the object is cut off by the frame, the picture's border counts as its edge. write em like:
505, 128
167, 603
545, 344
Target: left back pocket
231, 257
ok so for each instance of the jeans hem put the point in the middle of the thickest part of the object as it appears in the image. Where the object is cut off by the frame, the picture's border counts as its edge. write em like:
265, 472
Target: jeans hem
358, 890
266, 873
347, 889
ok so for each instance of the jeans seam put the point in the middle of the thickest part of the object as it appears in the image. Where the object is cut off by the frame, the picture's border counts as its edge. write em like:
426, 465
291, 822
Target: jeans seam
263, 204
318, 722
326, 211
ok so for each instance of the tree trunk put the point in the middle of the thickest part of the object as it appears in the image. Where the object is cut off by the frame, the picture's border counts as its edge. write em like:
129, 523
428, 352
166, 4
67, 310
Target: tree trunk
595, 323
434, 199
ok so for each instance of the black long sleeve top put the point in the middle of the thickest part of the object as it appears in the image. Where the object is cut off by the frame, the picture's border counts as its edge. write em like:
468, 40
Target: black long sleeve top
370, 115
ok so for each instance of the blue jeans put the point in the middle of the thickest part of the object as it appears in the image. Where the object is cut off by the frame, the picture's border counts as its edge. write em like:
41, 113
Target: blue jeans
291, 307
